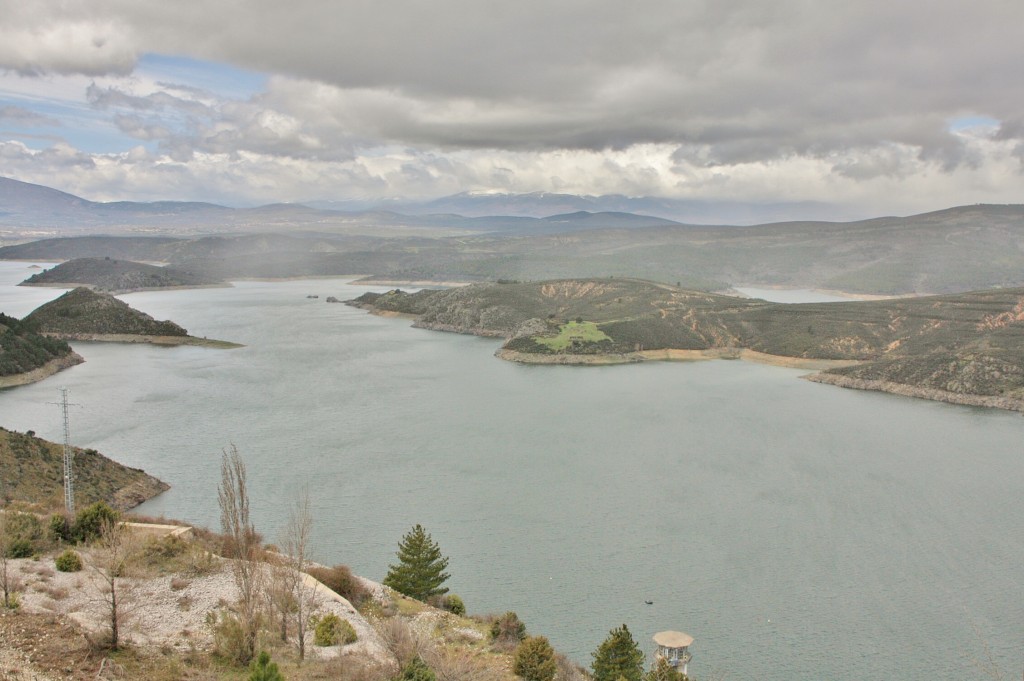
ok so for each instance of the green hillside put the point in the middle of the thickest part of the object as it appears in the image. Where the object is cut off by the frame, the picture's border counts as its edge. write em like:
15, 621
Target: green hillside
83, 311
32, 470
23, 350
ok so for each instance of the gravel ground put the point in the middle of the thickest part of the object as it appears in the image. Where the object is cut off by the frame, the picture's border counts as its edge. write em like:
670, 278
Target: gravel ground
167, 610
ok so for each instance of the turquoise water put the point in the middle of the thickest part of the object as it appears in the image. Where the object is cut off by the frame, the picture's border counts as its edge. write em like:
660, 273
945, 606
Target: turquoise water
796, 530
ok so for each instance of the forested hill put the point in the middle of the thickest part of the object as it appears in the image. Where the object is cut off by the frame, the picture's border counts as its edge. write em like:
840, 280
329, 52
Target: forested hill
967, 344
22, 350
83, 311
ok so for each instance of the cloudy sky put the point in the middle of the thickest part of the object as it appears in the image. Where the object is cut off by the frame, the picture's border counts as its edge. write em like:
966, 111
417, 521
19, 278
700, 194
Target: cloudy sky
881, 105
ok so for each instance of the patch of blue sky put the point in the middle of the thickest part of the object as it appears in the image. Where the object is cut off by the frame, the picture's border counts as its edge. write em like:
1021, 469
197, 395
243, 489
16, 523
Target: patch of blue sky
220, 79
64, 120
972, 122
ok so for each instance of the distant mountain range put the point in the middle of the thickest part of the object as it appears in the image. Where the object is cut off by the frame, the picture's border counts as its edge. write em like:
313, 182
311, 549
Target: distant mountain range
33, 210
957, 249
545, 204
30, 210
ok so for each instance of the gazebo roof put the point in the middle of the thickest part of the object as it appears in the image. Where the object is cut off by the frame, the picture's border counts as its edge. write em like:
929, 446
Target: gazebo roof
673, 639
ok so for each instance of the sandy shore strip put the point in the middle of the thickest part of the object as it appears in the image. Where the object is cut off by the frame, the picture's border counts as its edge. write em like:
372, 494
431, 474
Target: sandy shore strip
853, 297
118, 292
45, 371
153, 340
672, 355
422, 283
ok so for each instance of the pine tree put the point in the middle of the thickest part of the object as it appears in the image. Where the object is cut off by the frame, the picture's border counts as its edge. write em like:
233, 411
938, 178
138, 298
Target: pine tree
618, 657
417, 670
264, 670
535, 660
420, 570
663, 671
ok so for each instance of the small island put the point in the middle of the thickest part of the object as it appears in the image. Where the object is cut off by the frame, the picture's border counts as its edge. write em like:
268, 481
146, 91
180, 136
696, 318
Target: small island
963, 348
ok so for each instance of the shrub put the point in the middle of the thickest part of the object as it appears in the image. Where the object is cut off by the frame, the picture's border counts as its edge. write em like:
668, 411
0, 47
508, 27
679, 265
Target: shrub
453, 604
508, 628
341, 581
13, 601
228, 636
69, 561
330, 630
90, 521
417, 670
60, 529
19, 548
24, 525
535, 660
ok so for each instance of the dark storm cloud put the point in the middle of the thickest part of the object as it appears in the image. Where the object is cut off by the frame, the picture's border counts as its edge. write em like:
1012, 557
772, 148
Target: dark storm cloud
751, 80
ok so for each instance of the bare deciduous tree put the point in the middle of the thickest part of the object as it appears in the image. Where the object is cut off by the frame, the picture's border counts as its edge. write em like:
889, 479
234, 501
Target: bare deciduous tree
281, 595
242, 546
112, 559
8, 583
296, 542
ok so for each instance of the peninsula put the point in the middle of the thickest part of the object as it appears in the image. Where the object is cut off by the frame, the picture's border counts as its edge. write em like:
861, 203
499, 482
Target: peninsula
965, 348
87, 315
119, 276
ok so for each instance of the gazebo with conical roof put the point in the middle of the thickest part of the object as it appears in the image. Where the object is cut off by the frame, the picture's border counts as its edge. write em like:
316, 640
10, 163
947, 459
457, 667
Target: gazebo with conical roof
673, 647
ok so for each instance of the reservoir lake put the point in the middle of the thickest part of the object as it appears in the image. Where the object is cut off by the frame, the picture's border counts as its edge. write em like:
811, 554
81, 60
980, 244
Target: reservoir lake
795, 530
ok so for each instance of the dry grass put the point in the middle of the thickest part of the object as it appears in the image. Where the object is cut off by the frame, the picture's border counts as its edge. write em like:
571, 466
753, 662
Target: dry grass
461, 664
401, 639
57, 593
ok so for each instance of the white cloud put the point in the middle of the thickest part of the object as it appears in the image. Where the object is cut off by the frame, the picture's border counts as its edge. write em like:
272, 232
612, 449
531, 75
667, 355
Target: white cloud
740, 100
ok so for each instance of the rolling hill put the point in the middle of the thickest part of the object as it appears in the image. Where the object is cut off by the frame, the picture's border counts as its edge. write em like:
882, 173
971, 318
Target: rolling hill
117, 276
33, 472
83, 312
968, 345
955, 250
958, 249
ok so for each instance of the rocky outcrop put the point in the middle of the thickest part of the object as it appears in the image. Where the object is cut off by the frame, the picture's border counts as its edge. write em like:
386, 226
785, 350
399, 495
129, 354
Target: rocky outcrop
995, 402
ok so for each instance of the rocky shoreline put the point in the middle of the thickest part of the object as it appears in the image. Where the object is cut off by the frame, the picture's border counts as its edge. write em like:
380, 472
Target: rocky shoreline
45, 371
902, 389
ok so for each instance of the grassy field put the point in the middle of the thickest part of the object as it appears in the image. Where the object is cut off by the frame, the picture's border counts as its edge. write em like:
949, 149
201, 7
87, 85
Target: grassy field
571, 334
